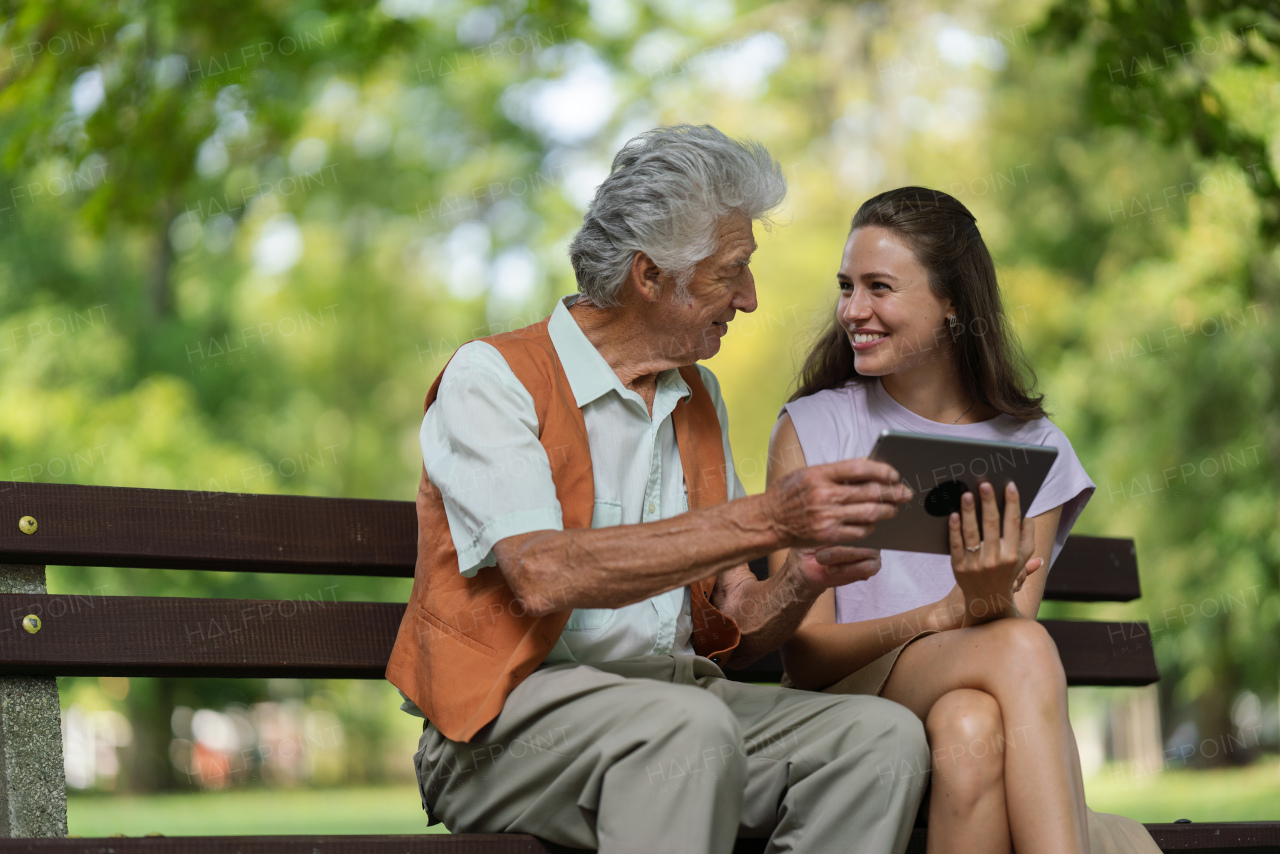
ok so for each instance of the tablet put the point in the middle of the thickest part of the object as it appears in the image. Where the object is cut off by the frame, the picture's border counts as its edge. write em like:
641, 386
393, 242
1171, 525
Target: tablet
939, 471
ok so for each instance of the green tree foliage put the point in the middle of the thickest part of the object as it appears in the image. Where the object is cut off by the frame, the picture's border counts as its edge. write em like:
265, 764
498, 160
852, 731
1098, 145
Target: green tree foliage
1183, 300
1152, 70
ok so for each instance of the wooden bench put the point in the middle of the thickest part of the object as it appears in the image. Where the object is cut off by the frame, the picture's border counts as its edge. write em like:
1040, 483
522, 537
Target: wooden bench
160, 636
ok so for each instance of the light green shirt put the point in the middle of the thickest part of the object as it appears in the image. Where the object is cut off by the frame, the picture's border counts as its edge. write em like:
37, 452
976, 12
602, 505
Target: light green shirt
480, 443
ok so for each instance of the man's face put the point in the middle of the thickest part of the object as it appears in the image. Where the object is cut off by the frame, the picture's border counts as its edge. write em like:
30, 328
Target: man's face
722, 285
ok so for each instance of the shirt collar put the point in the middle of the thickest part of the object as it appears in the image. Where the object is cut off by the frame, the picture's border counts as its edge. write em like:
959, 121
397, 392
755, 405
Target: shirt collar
589, 374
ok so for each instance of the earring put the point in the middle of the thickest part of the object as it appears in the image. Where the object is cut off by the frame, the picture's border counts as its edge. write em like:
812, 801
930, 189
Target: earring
952, 321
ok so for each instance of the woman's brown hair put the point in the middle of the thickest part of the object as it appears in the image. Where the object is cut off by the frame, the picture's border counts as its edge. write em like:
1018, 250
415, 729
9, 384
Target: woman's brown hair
944, 237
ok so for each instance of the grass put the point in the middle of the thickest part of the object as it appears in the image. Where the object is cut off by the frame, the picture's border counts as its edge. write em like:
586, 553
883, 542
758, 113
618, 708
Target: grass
1229, 794
252, 812
1241, 794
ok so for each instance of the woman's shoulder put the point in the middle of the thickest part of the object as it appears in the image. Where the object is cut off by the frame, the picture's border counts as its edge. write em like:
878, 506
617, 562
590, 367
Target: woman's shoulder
1039, 431
828, 403
1067, 485
827, 422
1042, 431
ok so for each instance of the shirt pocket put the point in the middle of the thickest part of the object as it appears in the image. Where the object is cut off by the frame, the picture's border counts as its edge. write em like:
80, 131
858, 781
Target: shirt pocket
588, 619
604, 514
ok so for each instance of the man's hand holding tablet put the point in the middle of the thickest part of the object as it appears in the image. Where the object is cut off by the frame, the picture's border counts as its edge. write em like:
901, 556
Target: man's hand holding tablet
827, 508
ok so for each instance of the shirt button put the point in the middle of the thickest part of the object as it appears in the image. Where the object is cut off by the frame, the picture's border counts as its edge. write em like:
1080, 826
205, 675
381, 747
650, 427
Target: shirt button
652, 507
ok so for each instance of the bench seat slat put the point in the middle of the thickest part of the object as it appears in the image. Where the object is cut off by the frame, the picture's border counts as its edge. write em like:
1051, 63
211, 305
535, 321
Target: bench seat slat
433, 843
1221, 836
1239, 837
317, 638
174, 529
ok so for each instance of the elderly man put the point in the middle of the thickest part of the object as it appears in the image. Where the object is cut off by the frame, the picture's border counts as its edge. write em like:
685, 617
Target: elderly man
583, 541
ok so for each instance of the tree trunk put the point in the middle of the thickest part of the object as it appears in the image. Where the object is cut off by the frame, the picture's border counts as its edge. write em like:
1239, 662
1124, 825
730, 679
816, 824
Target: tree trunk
151, 705
159, 289
1216, 727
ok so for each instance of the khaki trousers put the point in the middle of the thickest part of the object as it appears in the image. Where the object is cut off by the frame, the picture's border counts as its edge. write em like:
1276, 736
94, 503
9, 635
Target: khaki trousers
662, 753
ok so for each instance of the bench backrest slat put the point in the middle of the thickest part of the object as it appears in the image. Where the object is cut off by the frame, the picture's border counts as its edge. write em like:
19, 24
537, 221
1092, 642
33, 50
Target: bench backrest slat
172, 529
1095, 569
162, 636
1089, 569
171, 636
1092, 653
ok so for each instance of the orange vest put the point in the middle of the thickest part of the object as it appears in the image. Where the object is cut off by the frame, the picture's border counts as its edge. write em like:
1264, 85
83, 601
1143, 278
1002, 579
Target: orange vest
466, 643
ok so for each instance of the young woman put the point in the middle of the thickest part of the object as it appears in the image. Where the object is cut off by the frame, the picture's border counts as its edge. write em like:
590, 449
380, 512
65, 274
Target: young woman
920, 342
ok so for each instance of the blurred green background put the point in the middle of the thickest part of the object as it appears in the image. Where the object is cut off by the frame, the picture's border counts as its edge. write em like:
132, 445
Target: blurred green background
239, 240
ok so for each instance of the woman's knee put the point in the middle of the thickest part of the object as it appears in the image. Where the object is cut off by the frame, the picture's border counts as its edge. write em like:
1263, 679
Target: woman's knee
966, 739
964, 714
1022, 649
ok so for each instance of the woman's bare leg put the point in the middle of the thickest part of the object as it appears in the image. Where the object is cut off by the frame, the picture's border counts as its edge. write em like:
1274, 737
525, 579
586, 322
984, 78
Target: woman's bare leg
1016, 662
967, 804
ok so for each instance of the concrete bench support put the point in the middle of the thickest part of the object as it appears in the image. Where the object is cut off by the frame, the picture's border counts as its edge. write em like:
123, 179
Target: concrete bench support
33, 785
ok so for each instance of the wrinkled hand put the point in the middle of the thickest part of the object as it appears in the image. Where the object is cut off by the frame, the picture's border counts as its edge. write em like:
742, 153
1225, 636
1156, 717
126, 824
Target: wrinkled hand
833, 566
836, 503
990, 567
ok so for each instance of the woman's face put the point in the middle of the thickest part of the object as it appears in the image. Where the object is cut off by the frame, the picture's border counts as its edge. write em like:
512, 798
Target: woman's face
893, 320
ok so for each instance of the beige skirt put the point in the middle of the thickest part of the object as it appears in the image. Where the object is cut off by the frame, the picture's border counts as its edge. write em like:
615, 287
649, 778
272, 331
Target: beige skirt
871, 678
1108, 834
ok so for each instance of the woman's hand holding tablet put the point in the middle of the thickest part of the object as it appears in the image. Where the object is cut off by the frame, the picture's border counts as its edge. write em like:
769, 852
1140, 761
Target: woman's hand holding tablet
990, 565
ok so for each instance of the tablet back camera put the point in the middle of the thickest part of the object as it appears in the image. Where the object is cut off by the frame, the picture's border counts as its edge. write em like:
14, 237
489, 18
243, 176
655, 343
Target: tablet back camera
944, 499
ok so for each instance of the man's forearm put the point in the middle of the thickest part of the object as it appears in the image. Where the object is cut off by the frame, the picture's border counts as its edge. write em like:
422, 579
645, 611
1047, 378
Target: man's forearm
616, 566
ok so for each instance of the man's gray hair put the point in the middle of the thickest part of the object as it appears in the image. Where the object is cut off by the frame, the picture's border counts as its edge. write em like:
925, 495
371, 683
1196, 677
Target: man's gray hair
666, 195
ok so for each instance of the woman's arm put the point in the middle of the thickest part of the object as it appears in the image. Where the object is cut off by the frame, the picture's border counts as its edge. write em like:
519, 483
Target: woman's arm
821, 651
1046, 530
768, 612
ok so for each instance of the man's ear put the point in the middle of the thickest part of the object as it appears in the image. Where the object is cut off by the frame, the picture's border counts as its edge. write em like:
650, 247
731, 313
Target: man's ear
645, 278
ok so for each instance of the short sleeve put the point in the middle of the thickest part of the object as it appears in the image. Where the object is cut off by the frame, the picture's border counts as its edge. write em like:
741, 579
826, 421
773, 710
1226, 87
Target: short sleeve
481, 450
802, 419
821, 422
1067, 484
733, 485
